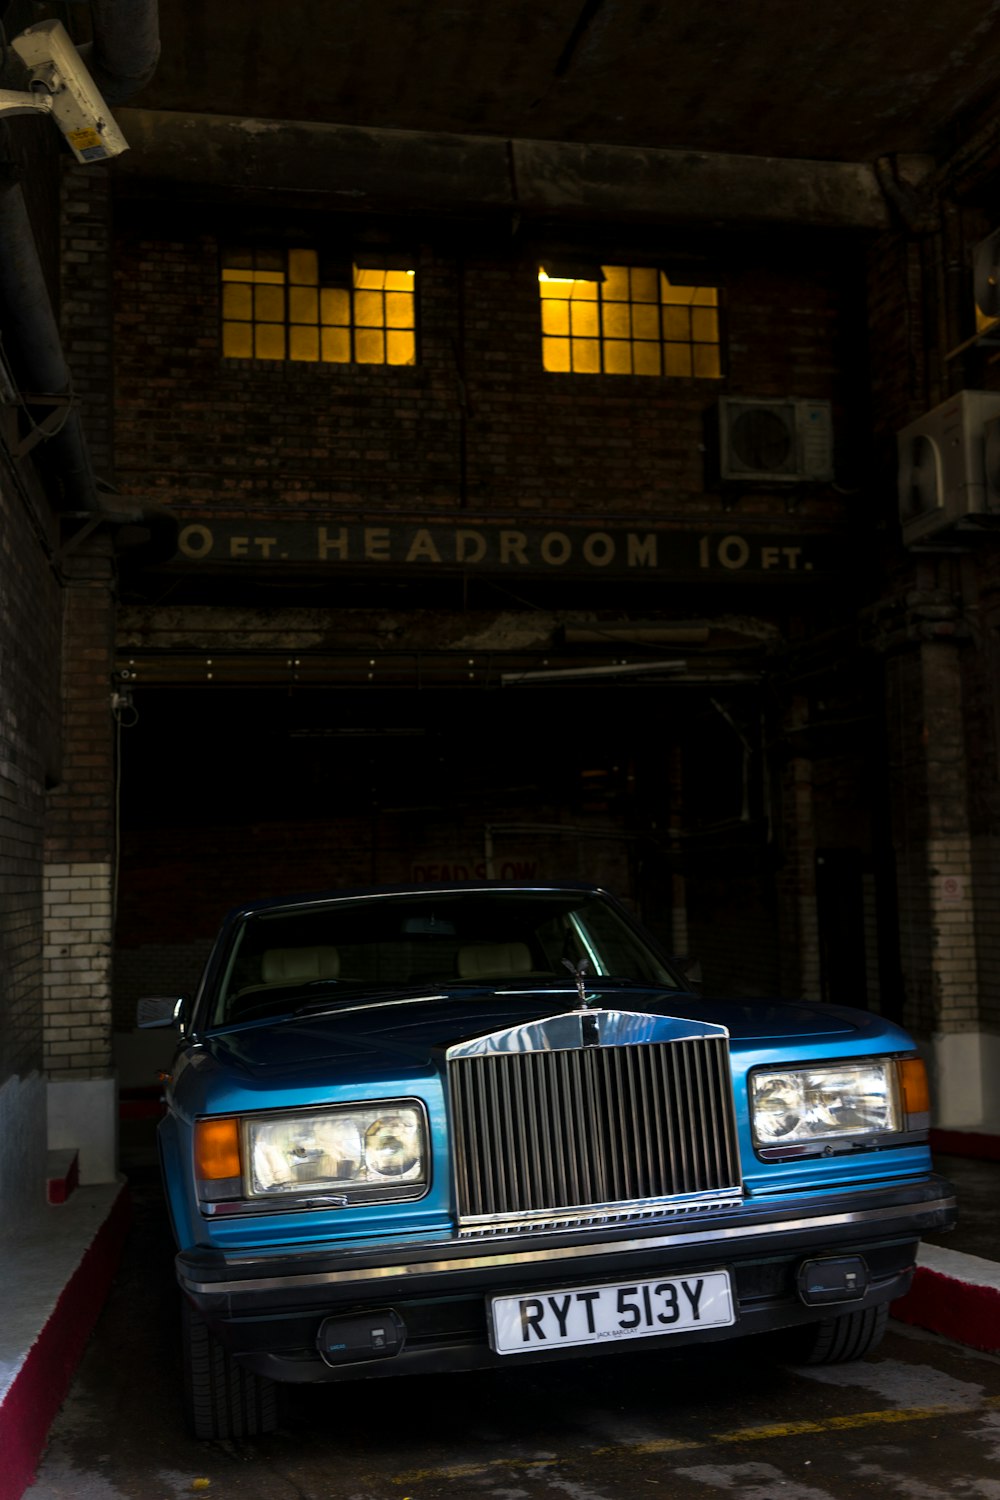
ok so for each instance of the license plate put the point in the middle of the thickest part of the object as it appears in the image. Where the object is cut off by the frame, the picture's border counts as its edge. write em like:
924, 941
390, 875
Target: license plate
599, 1314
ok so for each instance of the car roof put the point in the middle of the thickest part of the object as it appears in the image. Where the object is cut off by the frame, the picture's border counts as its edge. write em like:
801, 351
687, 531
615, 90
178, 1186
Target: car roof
421, 888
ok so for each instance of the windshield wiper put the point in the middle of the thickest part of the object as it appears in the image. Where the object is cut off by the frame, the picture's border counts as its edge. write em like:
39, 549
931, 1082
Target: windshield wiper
349, 998
407, 992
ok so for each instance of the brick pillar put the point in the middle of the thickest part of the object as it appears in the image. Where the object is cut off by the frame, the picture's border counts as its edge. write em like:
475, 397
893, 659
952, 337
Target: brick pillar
29, 757
78, 882
932, 837
79, 874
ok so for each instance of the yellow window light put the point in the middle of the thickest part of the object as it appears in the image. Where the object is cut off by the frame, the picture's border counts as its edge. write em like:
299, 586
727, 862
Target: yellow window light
299, 305
237, 340
626, 320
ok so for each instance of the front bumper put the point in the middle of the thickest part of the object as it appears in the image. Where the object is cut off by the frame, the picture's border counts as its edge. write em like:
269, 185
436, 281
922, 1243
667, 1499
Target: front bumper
267, 1307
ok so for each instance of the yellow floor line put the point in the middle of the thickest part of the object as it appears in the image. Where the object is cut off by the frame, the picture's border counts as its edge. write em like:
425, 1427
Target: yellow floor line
774, 1431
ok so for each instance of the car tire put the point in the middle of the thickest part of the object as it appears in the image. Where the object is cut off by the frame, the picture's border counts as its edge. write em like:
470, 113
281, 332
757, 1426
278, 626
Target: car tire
848, 1336
221, 1399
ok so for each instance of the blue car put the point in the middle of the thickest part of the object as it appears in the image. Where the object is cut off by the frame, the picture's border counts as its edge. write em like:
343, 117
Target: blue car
418, 1129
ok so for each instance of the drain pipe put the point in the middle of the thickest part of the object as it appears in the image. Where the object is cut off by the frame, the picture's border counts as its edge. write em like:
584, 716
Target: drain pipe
147, 533
122, 57
34, 347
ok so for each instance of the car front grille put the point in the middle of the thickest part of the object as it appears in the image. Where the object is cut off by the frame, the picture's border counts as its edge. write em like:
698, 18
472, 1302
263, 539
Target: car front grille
593, 1132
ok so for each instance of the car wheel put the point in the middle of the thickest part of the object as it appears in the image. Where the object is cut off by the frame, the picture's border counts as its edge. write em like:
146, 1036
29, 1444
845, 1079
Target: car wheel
852, 1335
221, 1399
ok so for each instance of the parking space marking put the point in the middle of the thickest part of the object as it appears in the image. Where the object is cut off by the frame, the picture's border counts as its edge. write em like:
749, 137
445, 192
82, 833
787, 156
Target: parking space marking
656, 1446
469, 1471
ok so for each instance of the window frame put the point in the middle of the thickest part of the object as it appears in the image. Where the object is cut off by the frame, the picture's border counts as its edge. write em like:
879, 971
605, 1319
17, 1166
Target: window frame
315, 302
612, 330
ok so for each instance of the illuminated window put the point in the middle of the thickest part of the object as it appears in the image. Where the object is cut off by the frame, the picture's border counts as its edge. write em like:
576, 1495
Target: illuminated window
634, 322
276, 304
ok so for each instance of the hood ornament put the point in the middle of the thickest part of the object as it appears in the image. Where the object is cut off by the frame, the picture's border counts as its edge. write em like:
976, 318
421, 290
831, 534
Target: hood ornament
579, 972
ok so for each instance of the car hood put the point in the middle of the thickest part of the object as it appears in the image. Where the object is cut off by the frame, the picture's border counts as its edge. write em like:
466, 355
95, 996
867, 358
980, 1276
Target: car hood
409, 1033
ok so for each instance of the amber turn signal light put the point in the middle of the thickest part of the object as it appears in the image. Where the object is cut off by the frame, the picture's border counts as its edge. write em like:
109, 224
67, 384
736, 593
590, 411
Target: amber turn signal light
915, 1092
216, 1149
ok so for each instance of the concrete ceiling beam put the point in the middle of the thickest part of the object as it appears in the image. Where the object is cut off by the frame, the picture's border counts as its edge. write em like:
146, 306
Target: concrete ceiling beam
393, 171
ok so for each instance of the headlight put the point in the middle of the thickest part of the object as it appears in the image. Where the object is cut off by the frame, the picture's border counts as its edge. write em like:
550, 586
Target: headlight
353, 1154
802, 1106
342, 1148
393, 1146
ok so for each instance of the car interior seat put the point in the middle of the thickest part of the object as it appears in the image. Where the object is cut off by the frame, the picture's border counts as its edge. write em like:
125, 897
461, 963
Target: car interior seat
494, 960
299, 965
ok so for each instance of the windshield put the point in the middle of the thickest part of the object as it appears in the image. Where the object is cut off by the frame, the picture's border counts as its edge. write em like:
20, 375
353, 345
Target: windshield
322, 954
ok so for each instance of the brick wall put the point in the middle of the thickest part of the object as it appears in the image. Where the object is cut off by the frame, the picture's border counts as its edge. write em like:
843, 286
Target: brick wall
81, 807
177, 884
934, 855
477, 424
477, 420
872, 978
733, 928
902, 384
981, 700
203, 827
77, 990
797, 884
85, 302
155, 969
941, 672
32, 767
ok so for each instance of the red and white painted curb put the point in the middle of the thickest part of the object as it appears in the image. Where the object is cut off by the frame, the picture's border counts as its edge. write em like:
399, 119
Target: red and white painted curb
31, 1396
956, 1295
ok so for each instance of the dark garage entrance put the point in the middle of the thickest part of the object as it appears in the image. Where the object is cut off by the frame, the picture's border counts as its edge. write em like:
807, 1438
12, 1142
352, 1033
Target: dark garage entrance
235, 791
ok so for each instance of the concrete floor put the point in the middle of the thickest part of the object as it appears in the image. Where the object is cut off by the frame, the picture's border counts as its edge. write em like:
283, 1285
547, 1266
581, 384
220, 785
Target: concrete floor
918, 1420
977, 1184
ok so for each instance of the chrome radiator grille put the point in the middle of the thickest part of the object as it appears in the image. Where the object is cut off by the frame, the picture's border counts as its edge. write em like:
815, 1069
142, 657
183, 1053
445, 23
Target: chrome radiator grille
554, 1134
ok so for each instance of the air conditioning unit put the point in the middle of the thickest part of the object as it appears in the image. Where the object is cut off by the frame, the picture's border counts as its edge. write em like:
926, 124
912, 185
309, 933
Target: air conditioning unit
942, 465
782, 441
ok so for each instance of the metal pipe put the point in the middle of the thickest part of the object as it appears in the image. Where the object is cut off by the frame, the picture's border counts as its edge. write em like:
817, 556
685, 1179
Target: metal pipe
619, 669
34, 346
121, 58
126, 48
